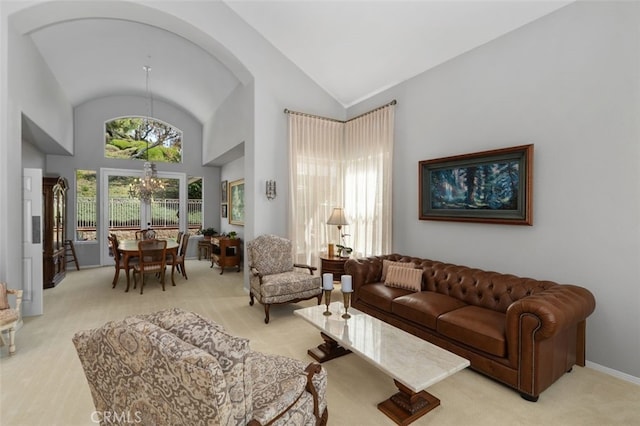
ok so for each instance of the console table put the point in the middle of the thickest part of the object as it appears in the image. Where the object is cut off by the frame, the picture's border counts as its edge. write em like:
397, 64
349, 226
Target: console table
333, 265
225, 252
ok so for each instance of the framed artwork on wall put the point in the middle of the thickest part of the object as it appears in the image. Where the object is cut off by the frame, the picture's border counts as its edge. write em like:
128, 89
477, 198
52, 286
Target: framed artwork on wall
490, 187
236, 202
223, 210
223, 191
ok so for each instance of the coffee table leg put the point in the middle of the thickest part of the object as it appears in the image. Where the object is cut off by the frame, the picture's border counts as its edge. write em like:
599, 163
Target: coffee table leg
328, 350
407, 406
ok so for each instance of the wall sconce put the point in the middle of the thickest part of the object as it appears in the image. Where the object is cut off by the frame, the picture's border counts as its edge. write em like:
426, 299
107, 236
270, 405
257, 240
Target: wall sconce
271, 189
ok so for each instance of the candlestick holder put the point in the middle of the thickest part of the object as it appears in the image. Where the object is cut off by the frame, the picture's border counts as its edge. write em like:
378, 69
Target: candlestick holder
327, 301
346, 297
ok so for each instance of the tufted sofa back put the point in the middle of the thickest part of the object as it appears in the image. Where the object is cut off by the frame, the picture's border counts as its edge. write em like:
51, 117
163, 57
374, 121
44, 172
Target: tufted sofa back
491, 290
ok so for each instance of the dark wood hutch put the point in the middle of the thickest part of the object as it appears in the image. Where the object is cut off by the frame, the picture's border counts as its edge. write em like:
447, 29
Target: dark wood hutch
54, 205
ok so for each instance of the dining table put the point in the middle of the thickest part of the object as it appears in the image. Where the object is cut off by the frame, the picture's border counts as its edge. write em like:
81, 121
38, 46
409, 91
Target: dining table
129, 249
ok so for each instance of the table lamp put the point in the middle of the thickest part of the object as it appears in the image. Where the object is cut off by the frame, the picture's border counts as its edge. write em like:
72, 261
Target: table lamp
338, 218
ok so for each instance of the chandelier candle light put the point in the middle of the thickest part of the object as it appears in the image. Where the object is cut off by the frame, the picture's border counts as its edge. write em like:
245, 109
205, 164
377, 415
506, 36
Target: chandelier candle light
327, 287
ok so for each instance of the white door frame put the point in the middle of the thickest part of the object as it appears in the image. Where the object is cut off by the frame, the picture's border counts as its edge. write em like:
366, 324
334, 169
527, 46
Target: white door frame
32, 299
105, 173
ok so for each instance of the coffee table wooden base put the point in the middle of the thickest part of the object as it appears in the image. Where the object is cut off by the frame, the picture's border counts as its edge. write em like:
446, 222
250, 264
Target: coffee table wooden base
328, 350
407, 406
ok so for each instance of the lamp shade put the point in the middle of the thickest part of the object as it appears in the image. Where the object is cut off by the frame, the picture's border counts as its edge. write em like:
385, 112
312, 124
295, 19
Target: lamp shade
337, 217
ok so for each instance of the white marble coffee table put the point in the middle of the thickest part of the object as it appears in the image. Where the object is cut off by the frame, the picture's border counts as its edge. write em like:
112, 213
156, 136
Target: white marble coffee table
413, 363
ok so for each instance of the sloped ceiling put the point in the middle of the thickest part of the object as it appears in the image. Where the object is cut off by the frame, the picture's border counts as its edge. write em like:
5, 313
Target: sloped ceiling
353, 49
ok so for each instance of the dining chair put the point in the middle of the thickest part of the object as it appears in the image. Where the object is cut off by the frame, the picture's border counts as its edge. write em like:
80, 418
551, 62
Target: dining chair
182, 252
152, 260
118, 260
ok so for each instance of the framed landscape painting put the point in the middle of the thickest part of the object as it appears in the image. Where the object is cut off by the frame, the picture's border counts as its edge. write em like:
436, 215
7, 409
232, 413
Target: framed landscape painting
236, 202
491, 186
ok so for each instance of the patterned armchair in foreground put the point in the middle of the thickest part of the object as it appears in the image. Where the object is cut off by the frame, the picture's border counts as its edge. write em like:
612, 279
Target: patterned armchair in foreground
273, 278
177, 368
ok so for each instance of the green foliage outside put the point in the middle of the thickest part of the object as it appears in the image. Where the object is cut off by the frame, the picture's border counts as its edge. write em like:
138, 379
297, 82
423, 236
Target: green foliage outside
143, 139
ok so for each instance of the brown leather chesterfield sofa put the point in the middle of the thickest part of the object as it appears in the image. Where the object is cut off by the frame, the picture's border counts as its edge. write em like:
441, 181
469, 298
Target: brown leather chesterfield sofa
522, 332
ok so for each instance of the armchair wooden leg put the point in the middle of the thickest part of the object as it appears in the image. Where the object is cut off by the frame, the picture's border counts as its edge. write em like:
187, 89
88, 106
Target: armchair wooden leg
266, 313
12, 340
320, 298
250, 299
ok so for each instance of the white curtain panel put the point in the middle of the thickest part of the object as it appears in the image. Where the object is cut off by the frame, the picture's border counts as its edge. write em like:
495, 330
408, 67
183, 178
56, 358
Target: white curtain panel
337, 164
367, 181
316, 150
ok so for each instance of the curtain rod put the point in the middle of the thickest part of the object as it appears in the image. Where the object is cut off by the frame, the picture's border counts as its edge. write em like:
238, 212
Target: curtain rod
288, 111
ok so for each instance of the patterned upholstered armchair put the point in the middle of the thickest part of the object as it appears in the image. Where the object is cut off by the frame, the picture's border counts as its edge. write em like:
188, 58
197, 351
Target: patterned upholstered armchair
177, 368
273, 277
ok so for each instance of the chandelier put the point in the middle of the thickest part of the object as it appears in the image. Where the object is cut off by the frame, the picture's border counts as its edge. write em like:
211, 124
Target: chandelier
149, 184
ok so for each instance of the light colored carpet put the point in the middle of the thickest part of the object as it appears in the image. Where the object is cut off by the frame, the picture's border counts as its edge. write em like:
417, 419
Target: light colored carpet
44, 384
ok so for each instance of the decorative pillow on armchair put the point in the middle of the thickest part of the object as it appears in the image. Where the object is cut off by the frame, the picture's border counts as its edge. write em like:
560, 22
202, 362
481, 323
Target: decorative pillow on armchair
405, 278
387, 263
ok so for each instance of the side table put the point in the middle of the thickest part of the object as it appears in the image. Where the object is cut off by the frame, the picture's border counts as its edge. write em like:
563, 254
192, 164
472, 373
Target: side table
204, 249
225, 252
333, 265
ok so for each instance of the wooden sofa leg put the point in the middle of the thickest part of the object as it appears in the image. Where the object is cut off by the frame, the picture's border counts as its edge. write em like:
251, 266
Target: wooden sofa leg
528, 397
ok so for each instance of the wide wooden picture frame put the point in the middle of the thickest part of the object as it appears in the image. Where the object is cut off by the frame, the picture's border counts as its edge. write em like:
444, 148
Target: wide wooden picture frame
236, 202
493, 186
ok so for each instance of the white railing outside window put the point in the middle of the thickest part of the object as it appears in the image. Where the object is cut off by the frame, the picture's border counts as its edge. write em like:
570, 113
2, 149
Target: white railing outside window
124, 213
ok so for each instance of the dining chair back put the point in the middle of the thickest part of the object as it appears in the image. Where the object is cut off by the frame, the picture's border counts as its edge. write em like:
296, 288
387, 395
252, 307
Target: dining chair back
117, 258
152, 259
182, 253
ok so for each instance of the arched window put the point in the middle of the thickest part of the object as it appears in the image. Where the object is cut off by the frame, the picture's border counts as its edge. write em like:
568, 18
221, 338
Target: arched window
142, 138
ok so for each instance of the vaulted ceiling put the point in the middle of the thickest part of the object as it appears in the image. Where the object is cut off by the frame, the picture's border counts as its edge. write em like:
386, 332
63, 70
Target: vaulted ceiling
353, 49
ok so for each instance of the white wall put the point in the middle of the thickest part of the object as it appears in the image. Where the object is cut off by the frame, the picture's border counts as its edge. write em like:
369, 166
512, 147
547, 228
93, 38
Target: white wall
89, 119
230, 172
26, 87
276, 82
568, 83
230, 126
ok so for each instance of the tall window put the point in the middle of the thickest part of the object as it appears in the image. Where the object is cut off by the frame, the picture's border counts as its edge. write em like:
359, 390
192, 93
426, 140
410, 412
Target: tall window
141, 138
341, 164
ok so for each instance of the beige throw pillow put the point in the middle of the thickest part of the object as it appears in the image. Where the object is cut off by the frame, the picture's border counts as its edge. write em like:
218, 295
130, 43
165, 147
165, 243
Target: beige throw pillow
405, 278
387, 263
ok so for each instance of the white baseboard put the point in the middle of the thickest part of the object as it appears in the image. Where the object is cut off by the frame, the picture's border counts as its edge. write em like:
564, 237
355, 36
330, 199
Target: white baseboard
614, 373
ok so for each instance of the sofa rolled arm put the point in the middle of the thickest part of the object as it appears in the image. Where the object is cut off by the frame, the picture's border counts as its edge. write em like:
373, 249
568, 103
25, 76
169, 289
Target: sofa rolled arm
363, 271
556, 308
